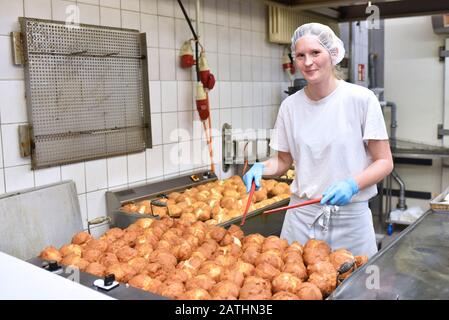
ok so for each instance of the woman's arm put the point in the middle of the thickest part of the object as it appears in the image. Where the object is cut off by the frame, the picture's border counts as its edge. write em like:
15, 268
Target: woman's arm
278, 165
380, 168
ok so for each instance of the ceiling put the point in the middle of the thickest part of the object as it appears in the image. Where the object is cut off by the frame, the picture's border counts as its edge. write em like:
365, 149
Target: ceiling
354, 10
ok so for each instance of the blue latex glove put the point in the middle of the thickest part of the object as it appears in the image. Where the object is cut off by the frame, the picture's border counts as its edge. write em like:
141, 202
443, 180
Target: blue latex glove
255, 173
340, 193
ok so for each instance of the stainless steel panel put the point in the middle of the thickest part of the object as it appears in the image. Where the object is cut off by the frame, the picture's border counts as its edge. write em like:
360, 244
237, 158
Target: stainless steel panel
33, 219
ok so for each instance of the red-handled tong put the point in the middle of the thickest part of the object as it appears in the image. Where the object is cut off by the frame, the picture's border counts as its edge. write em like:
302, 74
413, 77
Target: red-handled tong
250, 197
302, 204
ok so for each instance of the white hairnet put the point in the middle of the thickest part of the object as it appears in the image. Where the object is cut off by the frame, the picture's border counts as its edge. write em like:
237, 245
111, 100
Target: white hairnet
325, 36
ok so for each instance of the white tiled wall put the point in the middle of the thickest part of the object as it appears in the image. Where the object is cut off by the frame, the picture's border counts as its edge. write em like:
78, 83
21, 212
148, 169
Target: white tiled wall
247, 93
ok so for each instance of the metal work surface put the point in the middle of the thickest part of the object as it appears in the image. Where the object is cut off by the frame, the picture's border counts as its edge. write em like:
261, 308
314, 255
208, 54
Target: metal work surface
29, 221
87, 91
122, 292
414, 266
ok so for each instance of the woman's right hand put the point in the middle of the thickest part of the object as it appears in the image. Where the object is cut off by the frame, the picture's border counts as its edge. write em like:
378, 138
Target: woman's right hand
255, 173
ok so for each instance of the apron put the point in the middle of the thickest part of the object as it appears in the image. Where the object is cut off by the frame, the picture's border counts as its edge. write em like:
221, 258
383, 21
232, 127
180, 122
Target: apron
347, 227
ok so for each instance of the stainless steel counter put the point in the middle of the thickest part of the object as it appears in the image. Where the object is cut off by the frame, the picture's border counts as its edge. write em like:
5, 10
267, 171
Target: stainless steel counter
414, 266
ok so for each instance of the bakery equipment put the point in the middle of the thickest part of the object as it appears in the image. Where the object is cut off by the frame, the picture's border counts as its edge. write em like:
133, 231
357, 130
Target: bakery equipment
255, 221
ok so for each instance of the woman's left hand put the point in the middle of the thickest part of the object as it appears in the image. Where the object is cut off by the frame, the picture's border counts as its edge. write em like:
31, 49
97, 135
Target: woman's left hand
340, 193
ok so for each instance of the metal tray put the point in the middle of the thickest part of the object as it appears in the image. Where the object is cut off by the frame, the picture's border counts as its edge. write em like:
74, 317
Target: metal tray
256, 222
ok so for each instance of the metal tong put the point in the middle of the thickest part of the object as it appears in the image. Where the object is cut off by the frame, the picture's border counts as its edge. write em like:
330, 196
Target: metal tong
250, 197
302, 204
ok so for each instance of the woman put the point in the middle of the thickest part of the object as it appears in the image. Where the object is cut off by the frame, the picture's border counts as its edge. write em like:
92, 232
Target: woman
335, 133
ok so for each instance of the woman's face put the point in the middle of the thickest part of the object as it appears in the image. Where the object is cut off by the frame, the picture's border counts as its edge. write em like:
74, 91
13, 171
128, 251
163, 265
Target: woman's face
313, 60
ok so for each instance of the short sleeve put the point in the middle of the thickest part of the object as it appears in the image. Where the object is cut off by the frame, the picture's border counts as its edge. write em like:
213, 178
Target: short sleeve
279, 136
374, 125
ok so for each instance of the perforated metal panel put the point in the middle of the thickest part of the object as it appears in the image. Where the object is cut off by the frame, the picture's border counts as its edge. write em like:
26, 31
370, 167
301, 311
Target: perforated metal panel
87, 91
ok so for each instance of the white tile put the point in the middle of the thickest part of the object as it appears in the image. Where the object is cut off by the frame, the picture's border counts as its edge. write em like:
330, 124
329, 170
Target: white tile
189, 6
246, 65
96, 175
185, 95
9, 13
110, 17
276, 94
82, 200
235, 63
149, 25
169, 127
185, 125
132, 5
11, 150
154, 161
110, 3
155, 96
225, 94
217, 147
171, 158
40, 9
167, 63
75, 172
256, 44
234, 41
266, 93
212, 61
148, 6
234, 13
169, 94
257, 94
197, 150
138, 183
166, 8
215, 121
236, 114
236, 91
96, 2
210, 38
156, 128
210, 11
153, 63
47, 176
275, 66
256, 68
214, 97
223, 13
257, 117
136, 167
223, 39
246, 39
130, 20
198, 130
258, 16
1, 155
223, 67
8, 70
182, 33
245, 7
12, 102
117, 171
185, 156
247, 94
96, 204
19, 178
89, 14
266, 117
266, 69
166, 32
247, 118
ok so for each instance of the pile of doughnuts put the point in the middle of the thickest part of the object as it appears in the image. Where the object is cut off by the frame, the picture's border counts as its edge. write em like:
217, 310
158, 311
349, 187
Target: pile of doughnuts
180, 259
213, 202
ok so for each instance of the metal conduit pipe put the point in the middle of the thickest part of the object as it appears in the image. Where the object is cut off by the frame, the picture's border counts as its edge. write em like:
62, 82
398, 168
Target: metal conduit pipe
394, 122
401, 204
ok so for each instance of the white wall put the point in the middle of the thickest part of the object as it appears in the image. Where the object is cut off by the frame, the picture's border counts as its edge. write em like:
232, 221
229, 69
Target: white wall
414, 81
247, 93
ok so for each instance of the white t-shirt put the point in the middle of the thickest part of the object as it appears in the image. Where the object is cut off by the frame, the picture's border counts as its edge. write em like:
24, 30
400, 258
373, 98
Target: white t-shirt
328, 138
